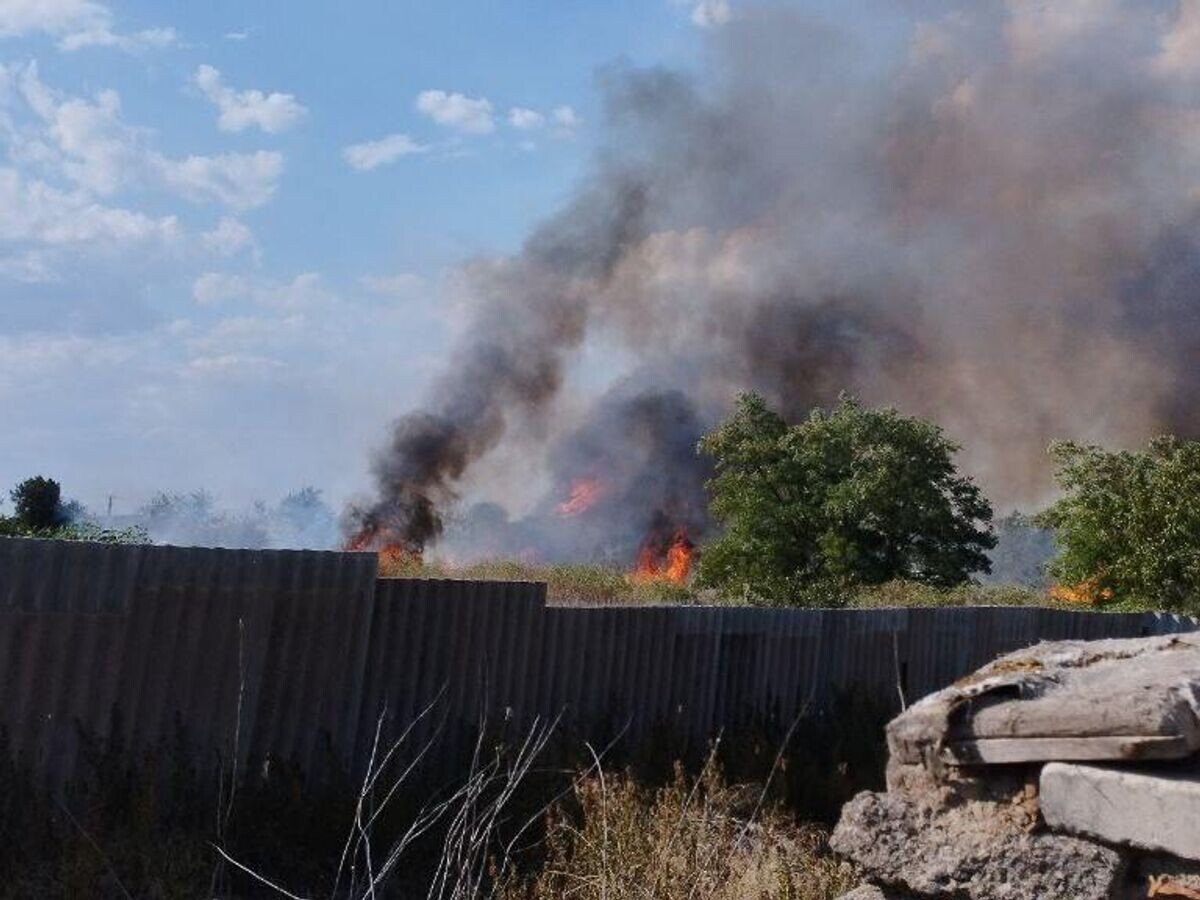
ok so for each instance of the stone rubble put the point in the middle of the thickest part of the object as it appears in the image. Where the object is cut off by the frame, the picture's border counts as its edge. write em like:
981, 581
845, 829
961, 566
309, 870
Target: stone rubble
1068, 770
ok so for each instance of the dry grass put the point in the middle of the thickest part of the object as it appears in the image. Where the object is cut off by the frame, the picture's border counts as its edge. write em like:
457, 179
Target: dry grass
913, 594
566, 584
699, 839
596, 585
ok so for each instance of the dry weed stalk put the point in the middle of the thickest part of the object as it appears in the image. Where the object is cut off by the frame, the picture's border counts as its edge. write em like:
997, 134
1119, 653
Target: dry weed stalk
697, 838
474, 812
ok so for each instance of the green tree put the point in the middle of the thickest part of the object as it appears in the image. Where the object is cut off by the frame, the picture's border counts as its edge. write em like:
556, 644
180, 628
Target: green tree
1128, 523
851, 496
37, 503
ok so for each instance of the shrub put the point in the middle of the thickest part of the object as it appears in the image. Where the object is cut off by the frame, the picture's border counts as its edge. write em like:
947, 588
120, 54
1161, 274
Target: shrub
38, 503
850, 496
1128, 524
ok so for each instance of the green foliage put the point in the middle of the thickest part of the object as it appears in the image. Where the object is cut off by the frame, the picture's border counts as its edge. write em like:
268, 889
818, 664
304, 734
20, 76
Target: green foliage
1128, 523
76, 531
38, 503
851, 496
35, 497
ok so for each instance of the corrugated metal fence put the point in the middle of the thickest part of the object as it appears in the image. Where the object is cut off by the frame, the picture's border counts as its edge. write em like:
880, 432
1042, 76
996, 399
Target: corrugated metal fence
293, 652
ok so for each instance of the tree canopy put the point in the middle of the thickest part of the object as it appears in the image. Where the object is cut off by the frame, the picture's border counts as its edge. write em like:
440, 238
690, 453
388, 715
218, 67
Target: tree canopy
850, 496
40, 512
37, 503
1128, 523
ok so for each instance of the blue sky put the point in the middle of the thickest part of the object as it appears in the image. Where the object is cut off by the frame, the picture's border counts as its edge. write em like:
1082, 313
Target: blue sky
227, 229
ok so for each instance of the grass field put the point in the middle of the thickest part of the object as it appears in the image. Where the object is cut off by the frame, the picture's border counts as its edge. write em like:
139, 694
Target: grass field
595, 585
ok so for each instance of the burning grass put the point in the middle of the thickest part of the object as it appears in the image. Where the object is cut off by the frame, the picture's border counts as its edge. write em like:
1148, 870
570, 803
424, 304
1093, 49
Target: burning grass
913, 594
566, 584
584, 585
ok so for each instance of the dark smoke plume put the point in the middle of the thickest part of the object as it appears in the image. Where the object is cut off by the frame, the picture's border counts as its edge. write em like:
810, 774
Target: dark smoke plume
632, 471
982, 213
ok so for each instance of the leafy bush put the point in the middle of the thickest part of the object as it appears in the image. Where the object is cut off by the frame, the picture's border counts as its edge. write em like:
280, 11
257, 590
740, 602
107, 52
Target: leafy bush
42, 513
850, 496
38, 504
1128, 524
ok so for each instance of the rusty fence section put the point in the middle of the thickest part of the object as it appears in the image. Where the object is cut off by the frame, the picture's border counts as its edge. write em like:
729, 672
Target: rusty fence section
302, 654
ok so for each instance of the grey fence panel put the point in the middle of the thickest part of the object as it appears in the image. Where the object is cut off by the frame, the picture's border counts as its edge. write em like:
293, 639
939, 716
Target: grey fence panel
294, 652
153, 643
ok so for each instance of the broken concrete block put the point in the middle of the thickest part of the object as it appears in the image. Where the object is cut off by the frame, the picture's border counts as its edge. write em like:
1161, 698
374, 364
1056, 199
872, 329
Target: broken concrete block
1123, 700
1158, 811
976, 850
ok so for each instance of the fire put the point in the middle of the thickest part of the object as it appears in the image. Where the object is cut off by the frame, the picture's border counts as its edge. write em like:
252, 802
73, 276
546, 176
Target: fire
584, 493
391, 552
660, 560
1087, 593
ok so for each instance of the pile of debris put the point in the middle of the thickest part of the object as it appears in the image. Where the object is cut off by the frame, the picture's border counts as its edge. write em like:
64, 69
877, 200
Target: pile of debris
1068, 770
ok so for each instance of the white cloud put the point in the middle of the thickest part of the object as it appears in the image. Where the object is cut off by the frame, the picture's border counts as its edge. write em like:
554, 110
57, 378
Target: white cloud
305, 291
213, 288
147, 39
372, 154
23, 17
404, 284
525, 119
88, 143
229, 237
239, 110
471, 115
711, 13
243, 35
565, 121
76, 24
28, 267
85, 139
238, 180
29, 357
33, 211
232, 367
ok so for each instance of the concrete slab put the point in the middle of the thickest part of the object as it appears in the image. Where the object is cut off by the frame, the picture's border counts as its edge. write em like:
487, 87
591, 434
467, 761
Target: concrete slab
971, 851
1120, 700
999, 751
1151, 810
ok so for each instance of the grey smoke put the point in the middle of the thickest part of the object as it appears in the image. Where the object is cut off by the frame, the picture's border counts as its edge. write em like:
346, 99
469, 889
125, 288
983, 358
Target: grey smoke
300, 520
637, 450
986, 214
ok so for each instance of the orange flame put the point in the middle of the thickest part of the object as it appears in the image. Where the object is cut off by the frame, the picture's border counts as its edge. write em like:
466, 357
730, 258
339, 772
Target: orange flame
394, 552
672, 562
584, 493
1086, 593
